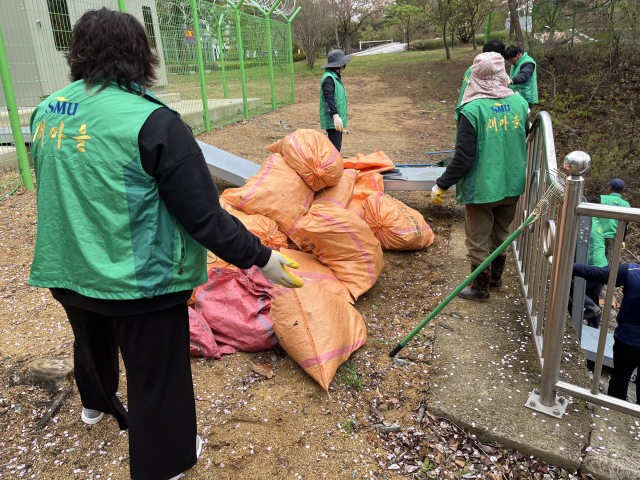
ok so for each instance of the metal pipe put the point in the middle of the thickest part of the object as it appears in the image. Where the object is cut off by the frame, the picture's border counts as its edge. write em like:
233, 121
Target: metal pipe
14, 116
608, 301
243, 79
566, 239
604, 400
221, 51
609, 211
289, 20
203, 84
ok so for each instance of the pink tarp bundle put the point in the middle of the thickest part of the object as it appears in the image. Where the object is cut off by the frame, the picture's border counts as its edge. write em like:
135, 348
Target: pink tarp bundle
235, 305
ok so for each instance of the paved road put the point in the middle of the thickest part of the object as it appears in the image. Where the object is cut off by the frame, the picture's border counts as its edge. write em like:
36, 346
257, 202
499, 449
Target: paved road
387, 48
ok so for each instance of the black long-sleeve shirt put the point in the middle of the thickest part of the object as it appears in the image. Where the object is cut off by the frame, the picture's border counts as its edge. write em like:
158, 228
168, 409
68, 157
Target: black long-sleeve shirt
526, 71
170, 154
329, 88
465, 154
628, 329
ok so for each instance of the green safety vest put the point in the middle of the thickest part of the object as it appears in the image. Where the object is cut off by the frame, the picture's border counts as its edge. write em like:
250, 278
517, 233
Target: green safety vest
528, 89
500, 165
597, 256
465, 82
609, 226
340, 97
103, 229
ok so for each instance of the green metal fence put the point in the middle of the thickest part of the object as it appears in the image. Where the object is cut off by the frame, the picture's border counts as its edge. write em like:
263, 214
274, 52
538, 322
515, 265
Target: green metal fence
219, 63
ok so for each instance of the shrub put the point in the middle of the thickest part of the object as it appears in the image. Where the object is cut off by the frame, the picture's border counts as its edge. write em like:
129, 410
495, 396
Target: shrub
437, 44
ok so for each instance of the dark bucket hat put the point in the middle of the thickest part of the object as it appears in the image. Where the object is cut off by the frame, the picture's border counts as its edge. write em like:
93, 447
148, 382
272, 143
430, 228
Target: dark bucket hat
336, 58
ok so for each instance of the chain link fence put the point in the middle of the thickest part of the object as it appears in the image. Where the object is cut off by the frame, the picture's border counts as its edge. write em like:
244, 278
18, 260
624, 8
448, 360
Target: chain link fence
219, 63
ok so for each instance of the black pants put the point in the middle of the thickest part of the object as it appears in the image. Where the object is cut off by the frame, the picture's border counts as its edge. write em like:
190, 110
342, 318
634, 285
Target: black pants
162, 412
626, 358
335, 137
592, 292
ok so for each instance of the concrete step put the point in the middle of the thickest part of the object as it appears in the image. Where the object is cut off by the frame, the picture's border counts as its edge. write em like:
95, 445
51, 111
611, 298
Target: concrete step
191, 111
168, 97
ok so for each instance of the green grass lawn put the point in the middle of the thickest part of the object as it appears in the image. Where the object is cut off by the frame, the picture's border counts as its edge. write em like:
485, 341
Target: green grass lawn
377, 64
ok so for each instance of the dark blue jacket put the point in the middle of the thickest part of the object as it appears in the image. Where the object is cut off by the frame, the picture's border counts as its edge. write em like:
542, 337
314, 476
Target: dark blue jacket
628, 330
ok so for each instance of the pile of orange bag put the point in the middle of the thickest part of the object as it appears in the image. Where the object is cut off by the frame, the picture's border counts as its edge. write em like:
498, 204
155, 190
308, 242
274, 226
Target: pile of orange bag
332, 217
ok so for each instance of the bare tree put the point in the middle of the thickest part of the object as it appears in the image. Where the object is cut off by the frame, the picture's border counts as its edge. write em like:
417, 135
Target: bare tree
515, 21
352, 14
312, 27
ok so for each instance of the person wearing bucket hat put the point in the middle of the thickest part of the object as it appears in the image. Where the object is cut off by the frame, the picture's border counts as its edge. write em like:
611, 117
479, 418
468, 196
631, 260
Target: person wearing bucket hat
333, 97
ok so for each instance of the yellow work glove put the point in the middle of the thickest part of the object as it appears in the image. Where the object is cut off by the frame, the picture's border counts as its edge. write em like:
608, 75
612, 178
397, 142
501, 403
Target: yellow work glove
436, 199
337, 122
277, 273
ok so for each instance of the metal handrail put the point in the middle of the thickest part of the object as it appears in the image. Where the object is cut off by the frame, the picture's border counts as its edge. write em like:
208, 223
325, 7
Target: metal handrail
532, 248
544, 263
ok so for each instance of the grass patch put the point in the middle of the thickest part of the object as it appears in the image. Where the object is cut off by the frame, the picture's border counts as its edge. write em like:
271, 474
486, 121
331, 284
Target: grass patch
348, 376
348, 427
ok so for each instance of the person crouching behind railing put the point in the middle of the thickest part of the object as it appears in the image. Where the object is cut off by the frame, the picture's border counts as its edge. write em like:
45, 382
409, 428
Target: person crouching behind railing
626, 345
489, 167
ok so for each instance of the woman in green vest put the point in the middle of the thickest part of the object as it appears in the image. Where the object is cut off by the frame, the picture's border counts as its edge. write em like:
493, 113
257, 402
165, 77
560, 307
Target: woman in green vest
488, 167
333, 97
523, 75
126, 211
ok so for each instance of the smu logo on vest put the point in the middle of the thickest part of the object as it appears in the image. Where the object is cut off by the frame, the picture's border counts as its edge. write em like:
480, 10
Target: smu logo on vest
63, 106
500, 108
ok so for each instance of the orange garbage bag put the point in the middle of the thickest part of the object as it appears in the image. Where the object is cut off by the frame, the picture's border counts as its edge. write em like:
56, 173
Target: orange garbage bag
263, 227
366, 185
345, 244
313, 156
316, 328
358, 209
276, 191
397, 226
374, 162
266, 230
313, 271
341, 193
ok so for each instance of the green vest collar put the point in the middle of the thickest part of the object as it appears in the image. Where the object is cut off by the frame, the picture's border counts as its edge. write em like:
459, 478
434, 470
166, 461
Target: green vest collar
613, 194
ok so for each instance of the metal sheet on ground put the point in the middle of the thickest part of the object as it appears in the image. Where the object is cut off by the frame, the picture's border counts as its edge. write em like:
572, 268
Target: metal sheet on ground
589, 344
226, 166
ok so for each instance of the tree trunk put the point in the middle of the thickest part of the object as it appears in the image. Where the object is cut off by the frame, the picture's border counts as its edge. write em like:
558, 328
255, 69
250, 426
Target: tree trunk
335, 25
515, 22
453, 39
347, 43
444, 37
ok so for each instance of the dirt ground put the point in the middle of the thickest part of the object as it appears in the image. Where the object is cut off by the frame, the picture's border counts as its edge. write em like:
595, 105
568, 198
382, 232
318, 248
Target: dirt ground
256, 428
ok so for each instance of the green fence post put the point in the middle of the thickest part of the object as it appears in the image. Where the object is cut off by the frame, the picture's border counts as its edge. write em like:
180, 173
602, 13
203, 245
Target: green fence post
203, 84
221, 50
14, 116
289, 20
268, 22
121, 6
487, 30
243, 78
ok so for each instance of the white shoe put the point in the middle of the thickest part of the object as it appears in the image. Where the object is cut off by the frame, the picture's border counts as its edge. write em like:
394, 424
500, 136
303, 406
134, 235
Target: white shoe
91, 417
198, 450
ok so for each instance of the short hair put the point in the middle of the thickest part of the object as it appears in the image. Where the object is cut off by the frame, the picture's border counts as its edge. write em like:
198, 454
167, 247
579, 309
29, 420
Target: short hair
494, 45
512, 51
106, 46
616, 190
